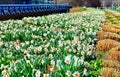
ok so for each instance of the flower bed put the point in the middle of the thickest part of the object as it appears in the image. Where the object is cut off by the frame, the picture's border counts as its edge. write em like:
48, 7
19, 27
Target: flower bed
59, 45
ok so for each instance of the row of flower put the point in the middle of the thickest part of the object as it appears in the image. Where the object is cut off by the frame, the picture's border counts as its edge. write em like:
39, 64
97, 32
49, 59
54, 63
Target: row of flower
60, 45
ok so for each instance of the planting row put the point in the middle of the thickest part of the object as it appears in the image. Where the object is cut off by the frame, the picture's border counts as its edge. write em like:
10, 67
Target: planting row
59, 45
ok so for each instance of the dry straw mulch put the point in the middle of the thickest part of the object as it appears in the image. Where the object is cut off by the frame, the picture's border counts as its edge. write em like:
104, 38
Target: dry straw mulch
77, 9
111, 28
114, 53
110, 72
73, 10
106, 22
106, 44
108, 41
116, 26
111, 64
107, 35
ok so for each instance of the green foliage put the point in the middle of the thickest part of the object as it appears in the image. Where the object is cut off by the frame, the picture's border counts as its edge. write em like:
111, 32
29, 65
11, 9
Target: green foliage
63, 41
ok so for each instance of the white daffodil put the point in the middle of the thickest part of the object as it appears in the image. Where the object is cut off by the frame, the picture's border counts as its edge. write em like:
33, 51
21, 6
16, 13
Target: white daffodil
45, 34
18, 47
67, 59
1, 43
59, 62
68, 73
27, 42
85, 72
32, 41
39, 48
52, 62
4, 72
76, 74
80, 61
43, 61
46, 75
37, 73
28, 55
76, 61
2, 66
50, 56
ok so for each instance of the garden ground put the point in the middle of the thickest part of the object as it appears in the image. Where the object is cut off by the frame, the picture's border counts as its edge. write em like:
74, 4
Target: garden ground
83, 44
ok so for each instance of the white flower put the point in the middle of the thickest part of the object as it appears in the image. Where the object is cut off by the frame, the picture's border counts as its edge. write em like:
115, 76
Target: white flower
34, 36
47, 45
46, 49
76, 38
52, 62
82, 52
52, 49
25, 51
2, 36
22, 44
68, 59
1, 43
86, 63
85, 72
28, 55
15, 68
51, 69
27, 42
45, 34
60, 43
68, 73
75, 60
43, 61
4, 72
48, 32
76, 74
32, 41
37, 74
80, 61
70, 50
17, 47
50, 56
58, 62
45, 75
27, 61
2, 66
89, 52
39, 48
33, 29
68, 41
